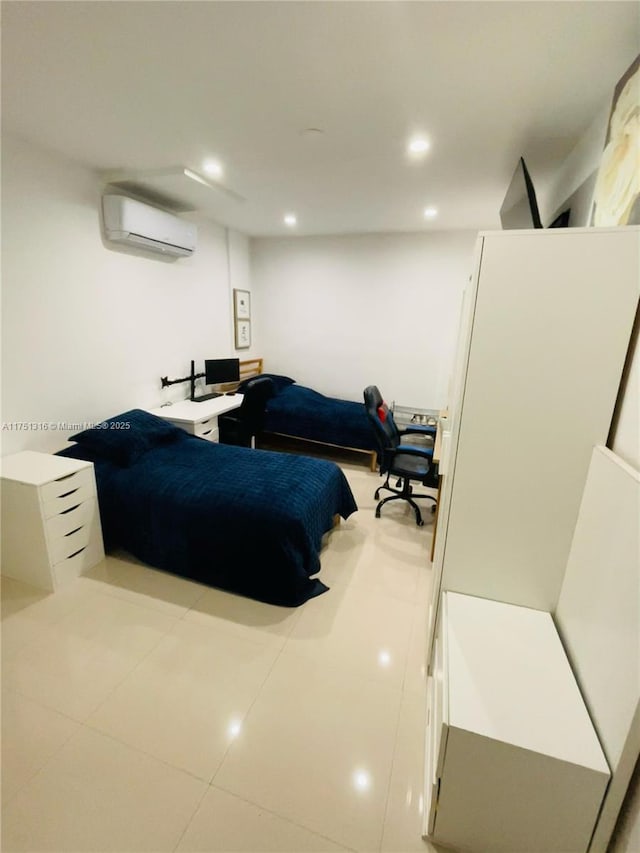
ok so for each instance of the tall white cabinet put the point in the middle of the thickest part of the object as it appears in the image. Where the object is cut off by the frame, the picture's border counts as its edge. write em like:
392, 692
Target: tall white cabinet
547, 320
546, 327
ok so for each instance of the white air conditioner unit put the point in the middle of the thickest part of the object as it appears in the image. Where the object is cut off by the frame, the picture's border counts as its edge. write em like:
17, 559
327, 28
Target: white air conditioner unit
136, 224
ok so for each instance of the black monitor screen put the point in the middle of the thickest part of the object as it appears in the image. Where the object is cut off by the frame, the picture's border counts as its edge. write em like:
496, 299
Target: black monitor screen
218, 370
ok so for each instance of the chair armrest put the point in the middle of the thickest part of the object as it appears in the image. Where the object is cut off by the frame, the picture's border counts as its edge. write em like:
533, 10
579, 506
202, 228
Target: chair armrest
412, 450
418, 429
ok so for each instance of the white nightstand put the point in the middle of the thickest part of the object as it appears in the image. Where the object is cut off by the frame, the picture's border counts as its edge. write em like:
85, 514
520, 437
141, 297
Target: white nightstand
51, 529
199, 419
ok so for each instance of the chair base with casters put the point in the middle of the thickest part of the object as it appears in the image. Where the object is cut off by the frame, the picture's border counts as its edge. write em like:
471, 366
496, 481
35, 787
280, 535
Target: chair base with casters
405, 491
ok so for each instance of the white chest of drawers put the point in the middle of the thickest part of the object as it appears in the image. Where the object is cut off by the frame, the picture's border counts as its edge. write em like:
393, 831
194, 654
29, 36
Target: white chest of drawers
51, 529
513, 761
199, 419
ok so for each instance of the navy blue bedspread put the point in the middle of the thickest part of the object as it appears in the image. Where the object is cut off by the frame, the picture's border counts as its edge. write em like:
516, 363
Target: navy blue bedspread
304, 413
249, 521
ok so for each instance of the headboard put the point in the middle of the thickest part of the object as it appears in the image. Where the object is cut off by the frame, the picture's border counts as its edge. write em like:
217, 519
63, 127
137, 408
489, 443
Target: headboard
250, 367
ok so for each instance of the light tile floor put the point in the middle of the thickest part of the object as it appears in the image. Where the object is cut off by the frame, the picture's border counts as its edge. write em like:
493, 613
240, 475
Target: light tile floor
144, 712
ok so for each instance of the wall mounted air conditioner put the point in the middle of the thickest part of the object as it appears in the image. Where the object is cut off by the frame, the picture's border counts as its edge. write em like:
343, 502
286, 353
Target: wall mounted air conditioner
136, 224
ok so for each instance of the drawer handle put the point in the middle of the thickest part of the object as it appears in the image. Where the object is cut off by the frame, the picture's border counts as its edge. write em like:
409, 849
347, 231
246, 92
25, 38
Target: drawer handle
66, 477
208, 432
75, 553
208, 421
71, 509
66, 494
71, 532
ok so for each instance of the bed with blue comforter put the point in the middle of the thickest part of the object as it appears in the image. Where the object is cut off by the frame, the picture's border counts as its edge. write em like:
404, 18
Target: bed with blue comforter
301, 412
248, 521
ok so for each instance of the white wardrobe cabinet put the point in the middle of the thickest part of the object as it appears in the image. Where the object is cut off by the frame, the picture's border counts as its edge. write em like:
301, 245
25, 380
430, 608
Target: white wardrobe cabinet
513, 763
547, 320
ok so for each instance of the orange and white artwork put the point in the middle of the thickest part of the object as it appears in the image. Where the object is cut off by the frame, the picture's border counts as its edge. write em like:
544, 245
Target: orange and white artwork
616, 199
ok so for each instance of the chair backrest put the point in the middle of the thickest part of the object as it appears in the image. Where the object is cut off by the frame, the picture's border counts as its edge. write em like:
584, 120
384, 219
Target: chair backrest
253, 409
384, 426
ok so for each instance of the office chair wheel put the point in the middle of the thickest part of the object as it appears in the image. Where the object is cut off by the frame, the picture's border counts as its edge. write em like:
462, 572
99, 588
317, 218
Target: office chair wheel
420, 522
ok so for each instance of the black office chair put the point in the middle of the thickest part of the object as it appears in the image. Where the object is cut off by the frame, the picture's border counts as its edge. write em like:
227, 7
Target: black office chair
397, 457
242, 425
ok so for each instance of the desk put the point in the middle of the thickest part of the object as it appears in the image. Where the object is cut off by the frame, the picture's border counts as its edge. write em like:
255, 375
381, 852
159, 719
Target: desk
199, 419
437, 447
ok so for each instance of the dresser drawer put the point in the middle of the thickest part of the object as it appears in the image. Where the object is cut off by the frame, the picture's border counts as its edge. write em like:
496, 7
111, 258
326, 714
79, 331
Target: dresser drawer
67, 545
50, 518
78, 515
77, 562
205, 429
66, 485
69, 499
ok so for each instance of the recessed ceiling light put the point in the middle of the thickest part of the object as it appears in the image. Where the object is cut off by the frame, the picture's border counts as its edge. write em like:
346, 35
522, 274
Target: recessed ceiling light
212, 167
290, 219
418, 145
430, 212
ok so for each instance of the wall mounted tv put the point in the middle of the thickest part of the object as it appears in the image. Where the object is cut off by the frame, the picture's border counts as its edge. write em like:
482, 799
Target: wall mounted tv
520, 207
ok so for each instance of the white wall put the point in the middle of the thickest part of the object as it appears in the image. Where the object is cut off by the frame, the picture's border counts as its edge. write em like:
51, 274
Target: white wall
87, 331
574, 172
582, 163
340, 313
625, 437
240, 279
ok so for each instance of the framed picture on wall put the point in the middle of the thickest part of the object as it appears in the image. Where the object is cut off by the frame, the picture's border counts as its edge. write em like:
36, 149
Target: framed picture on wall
243, 334
241, 304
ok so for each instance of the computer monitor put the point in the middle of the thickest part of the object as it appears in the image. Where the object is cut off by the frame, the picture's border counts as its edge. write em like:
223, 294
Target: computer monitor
218, 370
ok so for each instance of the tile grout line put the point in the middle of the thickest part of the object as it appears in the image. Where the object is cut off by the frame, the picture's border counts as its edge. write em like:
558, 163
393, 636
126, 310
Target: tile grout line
209, 783
404, 693
255, 699
193, 814
284, 818
55, 752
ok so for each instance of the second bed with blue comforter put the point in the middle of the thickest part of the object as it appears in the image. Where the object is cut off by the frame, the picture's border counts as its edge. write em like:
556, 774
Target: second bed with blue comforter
249, 521
301, 412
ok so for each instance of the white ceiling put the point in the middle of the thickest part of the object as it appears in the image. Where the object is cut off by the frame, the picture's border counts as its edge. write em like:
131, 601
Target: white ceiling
154, 86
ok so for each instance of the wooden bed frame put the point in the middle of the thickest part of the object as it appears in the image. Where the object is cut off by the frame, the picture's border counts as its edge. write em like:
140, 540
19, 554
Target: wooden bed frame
253, 367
